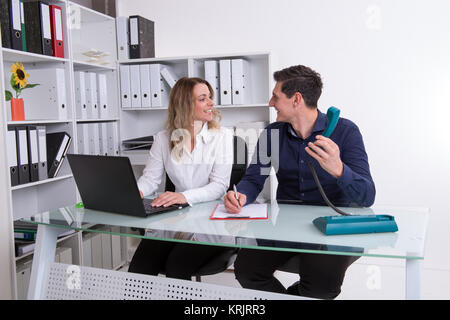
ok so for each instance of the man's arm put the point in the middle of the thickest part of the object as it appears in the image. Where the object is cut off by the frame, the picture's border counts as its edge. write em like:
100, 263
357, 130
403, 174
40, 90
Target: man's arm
349, 166
256, 174
356, 181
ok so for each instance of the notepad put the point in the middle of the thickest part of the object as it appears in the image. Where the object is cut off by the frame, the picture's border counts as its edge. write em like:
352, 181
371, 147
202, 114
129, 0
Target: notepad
251, 211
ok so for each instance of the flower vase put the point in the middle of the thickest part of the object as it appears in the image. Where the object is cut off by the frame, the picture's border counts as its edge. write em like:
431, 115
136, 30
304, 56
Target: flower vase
17, 109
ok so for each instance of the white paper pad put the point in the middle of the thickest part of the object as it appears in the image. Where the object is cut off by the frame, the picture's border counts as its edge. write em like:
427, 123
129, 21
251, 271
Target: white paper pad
251, 211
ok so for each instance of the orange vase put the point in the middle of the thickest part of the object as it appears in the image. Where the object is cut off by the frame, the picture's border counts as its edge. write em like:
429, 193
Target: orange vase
17, 109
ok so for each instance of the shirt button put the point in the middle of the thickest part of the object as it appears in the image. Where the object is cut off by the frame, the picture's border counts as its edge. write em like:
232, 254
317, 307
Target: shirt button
301, 161
303, 194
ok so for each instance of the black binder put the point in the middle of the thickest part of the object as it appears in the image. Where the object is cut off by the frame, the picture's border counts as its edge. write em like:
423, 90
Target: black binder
15, 24
37, 21
57, 145
5, 23
12, 157
142, 37
22, 154
33, 153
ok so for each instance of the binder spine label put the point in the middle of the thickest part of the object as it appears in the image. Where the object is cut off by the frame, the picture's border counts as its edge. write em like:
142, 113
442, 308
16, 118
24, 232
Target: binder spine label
16, 15
134, 32
58, 23
46, 21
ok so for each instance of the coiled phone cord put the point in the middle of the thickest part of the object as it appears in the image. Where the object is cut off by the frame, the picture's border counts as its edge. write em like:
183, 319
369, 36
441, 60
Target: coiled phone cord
322, 193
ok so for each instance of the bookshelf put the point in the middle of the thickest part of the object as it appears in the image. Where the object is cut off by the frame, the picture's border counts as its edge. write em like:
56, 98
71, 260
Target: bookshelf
84, 31
148, 120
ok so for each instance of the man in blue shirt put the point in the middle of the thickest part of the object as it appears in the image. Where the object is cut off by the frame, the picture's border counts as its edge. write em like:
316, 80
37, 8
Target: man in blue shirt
290, 143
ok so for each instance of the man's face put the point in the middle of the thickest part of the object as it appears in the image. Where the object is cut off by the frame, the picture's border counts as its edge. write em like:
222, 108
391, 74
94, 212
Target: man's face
281, 103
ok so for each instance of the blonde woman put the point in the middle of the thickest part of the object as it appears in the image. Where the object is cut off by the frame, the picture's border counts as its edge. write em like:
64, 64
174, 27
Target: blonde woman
196, 153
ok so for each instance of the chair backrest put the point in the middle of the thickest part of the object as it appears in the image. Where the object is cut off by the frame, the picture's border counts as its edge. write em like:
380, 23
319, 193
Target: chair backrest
240, 162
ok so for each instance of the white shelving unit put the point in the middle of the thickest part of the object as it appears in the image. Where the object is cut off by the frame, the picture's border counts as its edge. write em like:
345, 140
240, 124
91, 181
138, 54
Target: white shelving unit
83, 30
136, 122
87, 30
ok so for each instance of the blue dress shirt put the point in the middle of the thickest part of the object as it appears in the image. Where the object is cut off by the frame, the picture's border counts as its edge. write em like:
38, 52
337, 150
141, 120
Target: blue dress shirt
295, 181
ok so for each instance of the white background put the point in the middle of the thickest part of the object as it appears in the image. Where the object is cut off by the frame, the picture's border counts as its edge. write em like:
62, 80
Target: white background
385, 64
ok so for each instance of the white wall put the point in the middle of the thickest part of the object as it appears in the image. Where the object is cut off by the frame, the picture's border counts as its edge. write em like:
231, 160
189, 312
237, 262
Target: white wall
384, 63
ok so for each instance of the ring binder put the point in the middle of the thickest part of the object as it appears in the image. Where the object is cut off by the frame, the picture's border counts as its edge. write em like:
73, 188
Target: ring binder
57, 145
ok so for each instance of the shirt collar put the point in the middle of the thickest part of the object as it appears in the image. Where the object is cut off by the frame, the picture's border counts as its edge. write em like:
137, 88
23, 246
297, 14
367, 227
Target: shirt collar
320, 125
204, 133
321, 122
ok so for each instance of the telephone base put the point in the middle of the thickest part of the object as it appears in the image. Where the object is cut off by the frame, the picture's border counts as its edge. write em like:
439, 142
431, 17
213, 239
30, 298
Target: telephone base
355, 224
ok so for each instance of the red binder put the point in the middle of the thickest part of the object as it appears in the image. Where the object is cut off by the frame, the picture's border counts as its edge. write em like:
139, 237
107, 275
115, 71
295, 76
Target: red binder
56, 24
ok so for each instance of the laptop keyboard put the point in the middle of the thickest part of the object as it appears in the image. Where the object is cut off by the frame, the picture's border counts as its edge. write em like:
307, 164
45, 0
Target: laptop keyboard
152, 210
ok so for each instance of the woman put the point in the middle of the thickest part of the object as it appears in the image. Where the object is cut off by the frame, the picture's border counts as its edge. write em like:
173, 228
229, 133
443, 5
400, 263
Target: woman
196, 154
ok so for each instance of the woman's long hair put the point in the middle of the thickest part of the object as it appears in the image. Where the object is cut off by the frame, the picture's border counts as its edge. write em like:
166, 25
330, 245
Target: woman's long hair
180, 113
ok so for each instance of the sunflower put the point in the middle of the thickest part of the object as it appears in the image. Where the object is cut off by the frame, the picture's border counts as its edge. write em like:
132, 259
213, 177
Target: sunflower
18, 81
19, 74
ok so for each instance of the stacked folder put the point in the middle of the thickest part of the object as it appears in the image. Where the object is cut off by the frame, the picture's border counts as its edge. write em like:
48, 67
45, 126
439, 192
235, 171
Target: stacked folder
91, 95
146, 85
230, 81
33, 154
32, 26
48, 101
102, 250
135, 38
138, 143
98, 138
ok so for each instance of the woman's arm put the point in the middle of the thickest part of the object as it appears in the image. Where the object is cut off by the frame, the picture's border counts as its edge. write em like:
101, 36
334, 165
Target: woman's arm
154, 169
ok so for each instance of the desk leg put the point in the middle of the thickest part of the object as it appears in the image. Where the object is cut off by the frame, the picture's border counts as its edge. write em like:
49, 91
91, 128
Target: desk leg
413, 278
44, 254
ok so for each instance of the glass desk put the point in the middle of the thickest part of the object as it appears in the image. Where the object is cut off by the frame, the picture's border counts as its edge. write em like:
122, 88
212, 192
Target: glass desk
288, 228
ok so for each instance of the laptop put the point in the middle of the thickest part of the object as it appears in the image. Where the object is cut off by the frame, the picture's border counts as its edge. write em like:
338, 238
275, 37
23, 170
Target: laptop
108, 184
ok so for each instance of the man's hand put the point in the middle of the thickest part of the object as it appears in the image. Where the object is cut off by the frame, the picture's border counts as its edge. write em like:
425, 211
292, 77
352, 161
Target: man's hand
327, 153
168, 198
231, 204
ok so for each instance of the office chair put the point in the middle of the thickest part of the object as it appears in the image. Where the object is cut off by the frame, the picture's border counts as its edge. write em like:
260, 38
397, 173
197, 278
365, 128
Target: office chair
226, 258
240, 162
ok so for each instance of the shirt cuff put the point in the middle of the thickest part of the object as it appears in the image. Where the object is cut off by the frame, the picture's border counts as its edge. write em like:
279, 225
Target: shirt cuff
346, 177
189, 197
142, 187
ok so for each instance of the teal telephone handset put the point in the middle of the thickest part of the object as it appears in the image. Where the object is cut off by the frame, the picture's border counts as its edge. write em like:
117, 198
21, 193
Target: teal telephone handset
347, 223
332, 117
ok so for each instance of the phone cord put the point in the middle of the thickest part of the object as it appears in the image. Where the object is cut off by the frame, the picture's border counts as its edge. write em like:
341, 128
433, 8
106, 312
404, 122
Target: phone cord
322, 193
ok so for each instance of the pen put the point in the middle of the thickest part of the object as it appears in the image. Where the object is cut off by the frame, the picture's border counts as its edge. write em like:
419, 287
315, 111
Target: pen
238, 217
236, 195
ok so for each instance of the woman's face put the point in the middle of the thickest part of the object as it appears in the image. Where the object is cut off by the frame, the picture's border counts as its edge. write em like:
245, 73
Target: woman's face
203, 103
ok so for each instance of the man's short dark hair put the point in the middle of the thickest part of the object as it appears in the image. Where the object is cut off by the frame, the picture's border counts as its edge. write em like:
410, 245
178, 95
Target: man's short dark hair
300, 79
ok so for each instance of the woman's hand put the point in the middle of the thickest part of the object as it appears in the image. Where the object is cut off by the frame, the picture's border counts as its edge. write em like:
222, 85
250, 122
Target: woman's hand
168, 198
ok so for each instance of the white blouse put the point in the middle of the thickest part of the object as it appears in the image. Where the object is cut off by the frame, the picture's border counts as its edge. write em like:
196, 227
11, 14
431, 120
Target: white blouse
202, 175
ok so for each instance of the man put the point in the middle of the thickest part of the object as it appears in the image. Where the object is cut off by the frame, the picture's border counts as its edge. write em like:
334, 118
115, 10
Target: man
342, 167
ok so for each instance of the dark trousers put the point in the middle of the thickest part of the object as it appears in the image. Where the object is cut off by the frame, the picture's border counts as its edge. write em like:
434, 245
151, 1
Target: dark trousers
175, 259
321, 275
